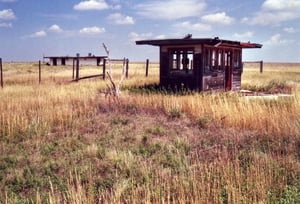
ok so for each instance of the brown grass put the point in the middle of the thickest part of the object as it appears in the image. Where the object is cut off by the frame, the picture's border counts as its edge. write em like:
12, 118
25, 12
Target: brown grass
63, 142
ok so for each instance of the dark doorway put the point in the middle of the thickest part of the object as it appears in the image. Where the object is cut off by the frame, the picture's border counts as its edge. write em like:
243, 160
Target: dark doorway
228, 69
54, 61
63, 61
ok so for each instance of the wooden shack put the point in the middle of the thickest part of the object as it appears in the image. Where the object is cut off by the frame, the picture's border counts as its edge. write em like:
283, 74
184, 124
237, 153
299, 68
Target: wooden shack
200, 64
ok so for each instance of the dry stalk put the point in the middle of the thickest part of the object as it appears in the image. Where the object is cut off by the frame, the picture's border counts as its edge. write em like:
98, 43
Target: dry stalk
113, 89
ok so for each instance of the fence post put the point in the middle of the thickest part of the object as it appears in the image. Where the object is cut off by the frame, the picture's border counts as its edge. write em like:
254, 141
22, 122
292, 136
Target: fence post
261, 67
127, 67
1, 73
77, 67
40, 72
147, 67
73, 75
104, 68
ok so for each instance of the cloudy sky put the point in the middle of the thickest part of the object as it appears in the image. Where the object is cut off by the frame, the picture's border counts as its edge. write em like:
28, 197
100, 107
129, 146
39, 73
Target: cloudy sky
31, 29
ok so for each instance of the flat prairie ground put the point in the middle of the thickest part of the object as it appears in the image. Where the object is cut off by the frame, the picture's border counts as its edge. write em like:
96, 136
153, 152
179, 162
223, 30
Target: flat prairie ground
65, 142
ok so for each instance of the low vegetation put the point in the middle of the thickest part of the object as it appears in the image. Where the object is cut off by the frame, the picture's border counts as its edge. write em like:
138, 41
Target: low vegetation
64, 142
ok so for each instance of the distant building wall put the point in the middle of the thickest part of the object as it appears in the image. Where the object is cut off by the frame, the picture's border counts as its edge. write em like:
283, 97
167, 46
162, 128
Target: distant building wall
62, 61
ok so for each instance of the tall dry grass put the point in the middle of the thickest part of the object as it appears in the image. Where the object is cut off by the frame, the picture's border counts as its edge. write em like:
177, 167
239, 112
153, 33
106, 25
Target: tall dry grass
277, 117
63, 142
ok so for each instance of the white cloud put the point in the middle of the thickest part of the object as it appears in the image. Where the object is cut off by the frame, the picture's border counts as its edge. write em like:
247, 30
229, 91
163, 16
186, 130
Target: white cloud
55, 28
274, 12
118, 18
276, 40
273, 18
7, 14
188, 26
248, 34
245, 20
218, 18
133, 36
92, 30
6, 25
290, 30
160, 37
39, 34
171, 9
91, 5
274, 5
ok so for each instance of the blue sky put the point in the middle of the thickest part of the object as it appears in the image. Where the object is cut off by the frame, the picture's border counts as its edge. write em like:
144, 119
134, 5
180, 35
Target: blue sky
30, 29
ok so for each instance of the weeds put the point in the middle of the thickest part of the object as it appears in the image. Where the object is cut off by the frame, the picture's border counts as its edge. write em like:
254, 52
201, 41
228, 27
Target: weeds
63, 143
175, 113
290, 195
157, 130
121, 121
203, 122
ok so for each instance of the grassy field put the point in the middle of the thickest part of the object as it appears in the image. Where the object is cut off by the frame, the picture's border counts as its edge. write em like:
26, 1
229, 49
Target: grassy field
64, 142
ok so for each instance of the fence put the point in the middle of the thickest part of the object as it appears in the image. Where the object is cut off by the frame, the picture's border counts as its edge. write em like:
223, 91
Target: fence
76, 68
1, 73
261, 64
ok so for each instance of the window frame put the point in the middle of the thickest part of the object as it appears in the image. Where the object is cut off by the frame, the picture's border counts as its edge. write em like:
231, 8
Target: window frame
181, 60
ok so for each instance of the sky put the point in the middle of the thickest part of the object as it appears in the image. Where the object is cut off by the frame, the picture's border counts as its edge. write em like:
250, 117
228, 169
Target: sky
31, 29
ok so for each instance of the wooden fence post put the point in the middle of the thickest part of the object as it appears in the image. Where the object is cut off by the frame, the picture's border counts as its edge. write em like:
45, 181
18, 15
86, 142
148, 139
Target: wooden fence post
73, 75
40, 72
147, 67
127, 67
104, 68
77, 67
261, 67
1, 73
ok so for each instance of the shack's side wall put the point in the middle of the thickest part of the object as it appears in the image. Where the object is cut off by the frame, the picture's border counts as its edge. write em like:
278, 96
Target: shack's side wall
57, 61
236, 81
198, 67
237, 74
164, 66
69, 61
191, 80
221, 72
92, 62
53, 61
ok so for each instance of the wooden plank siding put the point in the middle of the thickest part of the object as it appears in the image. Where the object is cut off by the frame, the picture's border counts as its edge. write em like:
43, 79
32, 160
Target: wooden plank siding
200, 64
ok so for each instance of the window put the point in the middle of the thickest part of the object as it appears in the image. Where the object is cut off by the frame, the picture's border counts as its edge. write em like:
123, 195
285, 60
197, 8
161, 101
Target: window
220, 53
237, 59
213, 60
227, 58
207, 61
181, 60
